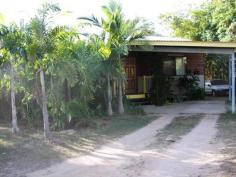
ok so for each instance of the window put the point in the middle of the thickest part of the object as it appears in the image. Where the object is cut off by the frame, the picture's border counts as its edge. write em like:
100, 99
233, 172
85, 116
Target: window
169, 67
180, 66
175, 66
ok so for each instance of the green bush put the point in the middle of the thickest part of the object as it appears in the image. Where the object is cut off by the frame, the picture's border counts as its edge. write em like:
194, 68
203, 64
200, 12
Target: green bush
160, 90
132, 108
160, 86
192, 90
196, 94
176, 98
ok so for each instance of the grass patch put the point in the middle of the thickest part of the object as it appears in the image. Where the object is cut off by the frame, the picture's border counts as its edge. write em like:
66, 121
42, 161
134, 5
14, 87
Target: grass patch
122, 125
28, 151
227, 135
173, 132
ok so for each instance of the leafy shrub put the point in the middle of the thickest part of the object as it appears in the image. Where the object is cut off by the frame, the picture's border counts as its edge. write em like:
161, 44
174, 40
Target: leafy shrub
132, 108
160, 85
176, 98
192, 90
160, 90
197, 94
188, 81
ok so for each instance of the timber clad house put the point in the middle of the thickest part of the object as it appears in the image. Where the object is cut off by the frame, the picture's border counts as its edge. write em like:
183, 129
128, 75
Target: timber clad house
179, 57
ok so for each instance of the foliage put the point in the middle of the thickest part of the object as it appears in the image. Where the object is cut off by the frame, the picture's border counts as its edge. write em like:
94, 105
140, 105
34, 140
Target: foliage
213, 21
176, 98
71, 79
117, 33
12, 51
61, 76
216, 67
133, 108
41, 37
197, 94
160, 85
190, 84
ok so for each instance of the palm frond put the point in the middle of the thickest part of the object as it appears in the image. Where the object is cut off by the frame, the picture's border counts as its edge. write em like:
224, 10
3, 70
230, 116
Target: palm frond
90, 20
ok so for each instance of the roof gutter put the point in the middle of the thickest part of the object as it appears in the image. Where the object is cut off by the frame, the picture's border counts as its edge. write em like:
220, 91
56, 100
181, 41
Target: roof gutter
230, 45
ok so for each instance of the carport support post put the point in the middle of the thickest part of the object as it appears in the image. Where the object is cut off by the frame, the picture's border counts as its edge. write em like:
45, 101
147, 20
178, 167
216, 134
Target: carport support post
233, 82
230, 79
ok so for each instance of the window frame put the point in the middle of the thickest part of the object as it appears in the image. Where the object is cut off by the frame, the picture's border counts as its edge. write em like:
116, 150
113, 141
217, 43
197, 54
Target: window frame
174, 67
184, 62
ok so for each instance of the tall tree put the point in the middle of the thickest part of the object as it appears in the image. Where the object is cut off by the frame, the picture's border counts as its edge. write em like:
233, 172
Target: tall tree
40, 44
12, 39
71, 68
213, 21
118, 32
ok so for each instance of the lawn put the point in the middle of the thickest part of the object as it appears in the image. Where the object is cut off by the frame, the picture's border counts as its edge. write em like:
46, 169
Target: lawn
28, 151
227, 136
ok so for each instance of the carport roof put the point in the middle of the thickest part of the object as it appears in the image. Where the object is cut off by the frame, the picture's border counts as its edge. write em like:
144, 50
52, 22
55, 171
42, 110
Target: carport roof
186, 46
179, 42
168, 44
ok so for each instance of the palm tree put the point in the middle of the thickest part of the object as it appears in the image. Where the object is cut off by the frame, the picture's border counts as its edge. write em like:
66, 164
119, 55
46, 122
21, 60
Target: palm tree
12, 39
118, 32
106, 66
41, 43
71, 68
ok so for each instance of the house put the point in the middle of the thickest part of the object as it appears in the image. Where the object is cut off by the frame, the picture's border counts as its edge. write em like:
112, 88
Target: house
179, 57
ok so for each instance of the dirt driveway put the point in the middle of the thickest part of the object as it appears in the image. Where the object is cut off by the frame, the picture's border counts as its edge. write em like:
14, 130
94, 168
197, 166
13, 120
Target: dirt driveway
140, 154
215, 106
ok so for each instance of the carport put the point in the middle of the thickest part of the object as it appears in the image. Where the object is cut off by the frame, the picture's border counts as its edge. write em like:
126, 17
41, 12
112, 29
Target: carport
192, 47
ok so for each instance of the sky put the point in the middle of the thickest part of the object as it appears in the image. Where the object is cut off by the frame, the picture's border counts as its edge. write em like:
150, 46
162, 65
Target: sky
14, 10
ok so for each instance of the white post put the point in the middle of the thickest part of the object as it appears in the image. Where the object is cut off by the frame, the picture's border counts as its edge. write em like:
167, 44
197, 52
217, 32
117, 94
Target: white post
230, 79
233, 83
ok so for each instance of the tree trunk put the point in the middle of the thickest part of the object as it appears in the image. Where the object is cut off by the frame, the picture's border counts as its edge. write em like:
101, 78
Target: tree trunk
109, 97
68, 99
15, 128
44, 107
120, 98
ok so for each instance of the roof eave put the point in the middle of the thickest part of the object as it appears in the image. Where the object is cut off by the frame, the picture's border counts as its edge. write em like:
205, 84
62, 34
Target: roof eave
184, 44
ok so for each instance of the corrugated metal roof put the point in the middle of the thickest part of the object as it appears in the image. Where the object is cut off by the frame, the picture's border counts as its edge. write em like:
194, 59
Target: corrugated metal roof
179, 42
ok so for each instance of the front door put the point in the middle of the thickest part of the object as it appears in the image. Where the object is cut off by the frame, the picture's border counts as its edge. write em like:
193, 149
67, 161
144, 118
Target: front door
130, 71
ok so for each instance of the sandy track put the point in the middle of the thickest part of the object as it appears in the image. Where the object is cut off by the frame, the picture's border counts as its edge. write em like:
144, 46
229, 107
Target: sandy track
112, 159
190, 107
193, 156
